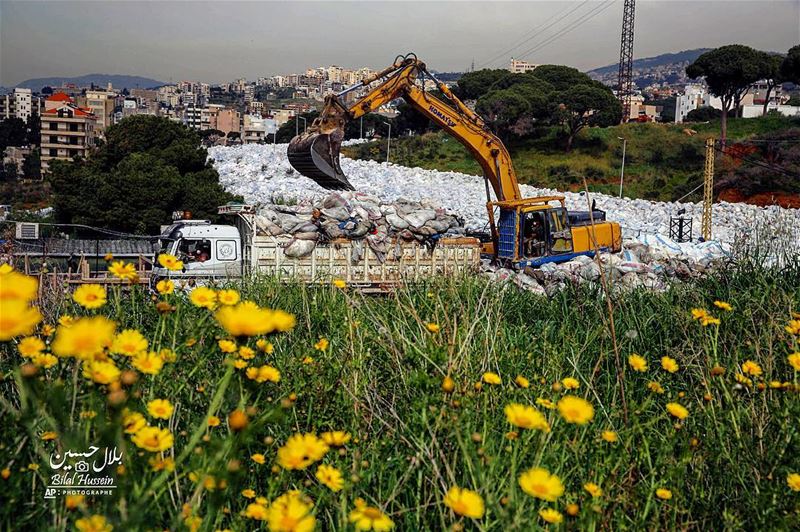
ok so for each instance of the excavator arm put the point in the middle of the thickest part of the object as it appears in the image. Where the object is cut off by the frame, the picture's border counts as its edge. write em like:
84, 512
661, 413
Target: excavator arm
316, 152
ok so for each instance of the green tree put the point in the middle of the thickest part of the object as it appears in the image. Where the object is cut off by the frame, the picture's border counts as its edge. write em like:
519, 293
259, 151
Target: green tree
771, 72
34, 129
148, 168
728, 72
12, 133
503, 110
587, 105
561, 77
288, 130
473, 85
790, 67
32, 165
702, 114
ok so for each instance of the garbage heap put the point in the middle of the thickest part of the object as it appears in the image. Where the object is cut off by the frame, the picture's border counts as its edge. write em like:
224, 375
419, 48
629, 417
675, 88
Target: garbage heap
359, 217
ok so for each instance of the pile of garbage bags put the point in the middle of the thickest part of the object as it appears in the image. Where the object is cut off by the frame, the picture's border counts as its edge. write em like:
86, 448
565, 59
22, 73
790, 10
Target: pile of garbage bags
358, 217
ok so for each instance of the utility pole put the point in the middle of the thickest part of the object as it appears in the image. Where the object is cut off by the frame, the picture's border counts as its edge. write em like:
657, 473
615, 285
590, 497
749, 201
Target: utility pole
361, 130
622, 169
708, 188
625, 80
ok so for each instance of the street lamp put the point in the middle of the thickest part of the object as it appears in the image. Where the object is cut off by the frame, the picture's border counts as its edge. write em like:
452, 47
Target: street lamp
388, 140
622, 169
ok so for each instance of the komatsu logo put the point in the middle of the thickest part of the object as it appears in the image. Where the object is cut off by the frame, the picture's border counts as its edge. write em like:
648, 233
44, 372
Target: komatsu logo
447, 121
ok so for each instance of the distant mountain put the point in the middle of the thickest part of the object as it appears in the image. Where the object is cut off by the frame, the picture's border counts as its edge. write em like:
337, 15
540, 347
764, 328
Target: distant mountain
118, 81
665, 68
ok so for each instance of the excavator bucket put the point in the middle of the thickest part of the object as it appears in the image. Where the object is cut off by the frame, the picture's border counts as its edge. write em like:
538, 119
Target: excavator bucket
316, 155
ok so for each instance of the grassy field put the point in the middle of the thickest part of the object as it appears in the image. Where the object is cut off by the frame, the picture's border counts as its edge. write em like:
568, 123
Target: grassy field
375, 367
662, 162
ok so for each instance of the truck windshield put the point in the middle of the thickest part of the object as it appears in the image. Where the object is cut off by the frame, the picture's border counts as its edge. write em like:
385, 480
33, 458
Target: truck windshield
165, 245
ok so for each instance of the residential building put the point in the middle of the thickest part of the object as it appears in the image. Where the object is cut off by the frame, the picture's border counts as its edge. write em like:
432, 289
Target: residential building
281, 116
253, 129
19, 104
193, 117
67, 131
16, 155
228, 120
256, 108
102, 104
518, 66
692, 98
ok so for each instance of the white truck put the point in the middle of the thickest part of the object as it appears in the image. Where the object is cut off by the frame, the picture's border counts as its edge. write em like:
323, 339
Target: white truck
218, 252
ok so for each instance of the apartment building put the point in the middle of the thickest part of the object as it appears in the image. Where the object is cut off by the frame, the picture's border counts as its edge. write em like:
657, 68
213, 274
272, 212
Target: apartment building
254, 129
19, 104
520, 67
101, 104
67, 131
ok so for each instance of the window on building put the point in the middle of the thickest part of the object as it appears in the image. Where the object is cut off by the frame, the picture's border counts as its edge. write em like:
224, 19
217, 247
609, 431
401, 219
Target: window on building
53, 152
53, 126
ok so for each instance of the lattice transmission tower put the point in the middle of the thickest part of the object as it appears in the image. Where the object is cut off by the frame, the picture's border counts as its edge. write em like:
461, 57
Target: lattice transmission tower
625, 84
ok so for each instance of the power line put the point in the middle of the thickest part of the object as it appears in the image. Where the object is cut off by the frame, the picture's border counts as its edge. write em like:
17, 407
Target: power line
535, 33
579, 22
756, 162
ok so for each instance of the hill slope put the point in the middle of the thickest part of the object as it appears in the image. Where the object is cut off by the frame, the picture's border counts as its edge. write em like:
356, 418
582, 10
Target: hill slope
100, 80
664, 68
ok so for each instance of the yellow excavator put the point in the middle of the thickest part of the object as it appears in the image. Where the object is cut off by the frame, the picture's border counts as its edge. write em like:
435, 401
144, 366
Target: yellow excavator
523, 231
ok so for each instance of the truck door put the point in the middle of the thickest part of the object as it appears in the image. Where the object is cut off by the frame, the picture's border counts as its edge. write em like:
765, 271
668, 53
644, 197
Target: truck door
197, 258
560, 235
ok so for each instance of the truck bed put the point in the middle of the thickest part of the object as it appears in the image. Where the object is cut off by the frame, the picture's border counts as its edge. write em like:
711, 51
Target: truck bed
408, 261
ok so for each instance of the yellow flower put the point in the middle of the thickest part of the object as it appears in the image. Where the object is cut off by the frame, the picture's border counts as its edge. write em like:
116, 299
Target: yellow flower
637, 363
248, 319
664, 494
793, 481
570, 383
677, 410
150, 362
256, 511
751, 368
593, 489
290, 512
369, 517
170, 262
213, 421
258, 458
84, 338
265, 346
339, 283
551, 516
44, 360
263, 374
741, 379
794, 360
248, 493
165, 286
6, 268
247, 353
204, 297
538, 482
301, 450
15, 286
330, 476
669, 364
433, 327
162, 464
48, 330
160, 408
491, 378
572, 509
66, 320
545, 403
655, 387
90, 296
464, 502
699, 313
723, 305
101, 372
793, 328
307, 360
74, 501
153, 439
5, 473
30, 346
448, 384
227, 346
522, 382
94, 523
228, 297
322, 345
132, 421
123, 270
526, 417
129, 342
240, 364
575, 410
336, 438
49, 435
17, 318
610, 436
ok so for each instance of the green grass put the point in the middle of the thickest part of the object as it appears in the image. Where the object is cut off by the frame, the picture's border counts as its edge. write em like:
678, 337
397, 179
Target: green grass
380, 379
662, 162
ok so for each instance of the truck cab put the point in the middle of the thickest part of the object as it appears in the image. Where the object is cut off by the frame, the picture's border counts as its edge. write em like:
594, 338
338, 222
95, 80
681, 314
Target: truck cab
208, 251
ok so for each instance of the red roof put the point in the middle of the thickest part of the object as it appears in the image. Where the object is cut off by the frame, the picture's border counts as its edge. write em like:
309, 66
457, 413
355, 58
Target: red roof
59, 97
77, 111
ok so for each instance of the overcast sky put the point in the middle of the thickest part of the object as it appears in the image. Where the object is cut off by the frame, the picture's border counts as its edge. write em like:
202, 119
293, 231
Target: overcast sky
219, 41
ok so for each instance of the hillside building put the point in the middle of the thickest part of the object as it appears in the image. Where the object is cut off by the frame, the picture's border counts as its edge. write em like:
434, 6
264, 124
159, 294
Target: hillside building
67, 130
